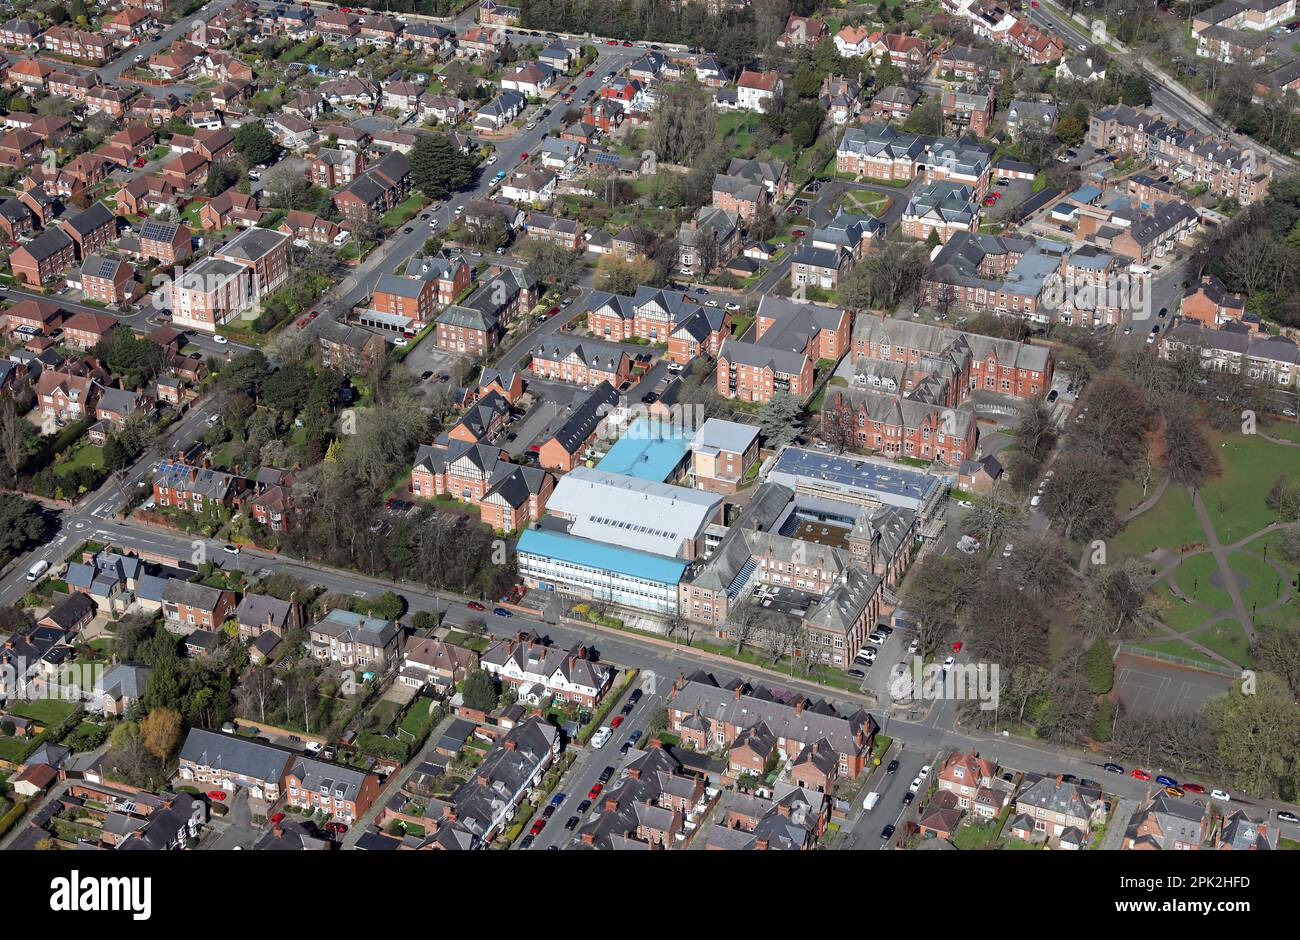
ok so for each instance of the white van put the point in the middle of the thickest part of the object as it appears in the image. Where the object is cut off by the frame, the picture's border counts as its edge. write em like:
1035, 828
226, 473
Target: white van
38, 569
871, 800
601, 736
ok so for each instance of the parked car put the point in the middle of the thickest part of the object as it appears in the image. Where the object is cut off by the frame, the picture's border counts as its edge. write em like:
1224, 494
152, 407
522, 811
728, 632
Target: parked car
616, 721
1166, 781
501, 612
599, 739
571, 823
474, 605
1112, 768
887, 833
1137, 774
595, 790
606, 774
1223, 796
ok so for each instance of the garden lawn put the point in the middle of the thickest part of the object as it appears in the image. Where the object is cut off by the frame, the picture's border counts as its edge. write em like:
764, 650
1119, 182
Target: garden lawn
1175, 648
1288, 430
47, 711
1193, 576
1176, 613
1226, 638
1262, 587
87, 455
1170, 523
1235, 499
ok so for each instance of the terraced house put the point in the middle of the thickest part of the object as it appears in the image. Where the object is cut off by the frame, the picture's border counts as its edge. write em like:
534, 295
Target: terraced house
1188, 156
210, 759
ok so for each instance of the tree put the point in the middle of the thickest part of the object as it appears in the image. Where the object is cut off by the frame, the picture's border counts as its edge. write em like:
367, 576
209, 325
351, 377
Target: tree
623, 277
1189, 456
780, 419
995, 515
160, 732
683, 123
1081, 499
480, 691
221, 176
438, 168
1099, 668
254, 143
552, 263
22, 526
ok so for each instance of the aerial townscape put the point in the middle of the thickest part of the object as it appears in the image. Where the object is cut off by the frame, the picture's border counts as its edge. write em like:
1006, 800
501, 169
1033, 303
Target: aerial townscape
649, 424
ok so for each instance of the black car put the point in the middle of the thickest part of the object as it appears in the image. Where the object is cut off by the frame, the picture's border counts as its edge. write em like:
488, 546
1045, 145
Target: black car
635, 696
571, 823
526, 842
1112, 768
624, 748
512, 436
887, 833
1091, 784
1164, 311
548, 811
892, 768
606, 774
857, 674
908, 797
627, 709
584, 806
649, 398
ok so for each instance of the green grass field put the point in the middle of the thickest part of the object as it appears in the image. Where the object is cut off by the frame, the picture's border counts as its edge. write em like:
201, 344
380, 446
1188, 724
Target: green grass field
1170, 524
1235, 500
1177, 613
1227, 638
1193, 576
47, 711
1264, 584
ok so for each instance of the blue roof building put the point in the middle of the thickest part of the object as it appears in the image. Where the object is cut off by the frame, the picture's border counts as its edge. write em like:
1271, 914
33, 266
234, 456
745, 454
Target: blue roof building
649, 450
566, 564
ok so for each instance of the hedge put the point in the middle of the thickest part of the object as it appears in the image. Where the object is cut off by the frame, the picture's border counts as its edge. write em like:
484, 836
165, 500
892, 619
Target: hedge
584, 735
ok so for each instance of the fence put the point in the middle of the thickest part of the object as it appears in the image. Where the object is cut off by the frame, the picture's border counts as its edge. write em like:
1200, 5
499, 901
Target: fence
1216, 668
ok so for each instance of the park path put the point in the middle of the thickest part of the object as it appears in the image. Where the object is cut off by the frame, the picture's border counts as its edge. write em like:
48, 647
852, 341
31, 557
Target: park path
1225, 570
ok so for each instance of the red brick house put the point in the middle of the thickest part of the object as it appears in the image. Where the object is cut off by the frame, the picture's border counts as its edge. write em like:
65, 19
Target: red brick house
168, 242
85, 330
43, 258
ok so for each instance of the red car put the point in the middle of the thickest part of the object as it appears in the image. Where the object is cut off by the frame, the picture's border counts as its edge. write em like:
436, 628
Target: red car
137, 162
538, 825
337, 828
990, 201
626, 44
798, 233
595, 790
302, 321
956, 647
590, 72
534, 448
611, 42
218, 795
1140, 774
1193, 788
618, 720
474, 605
523, 157
277, 818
